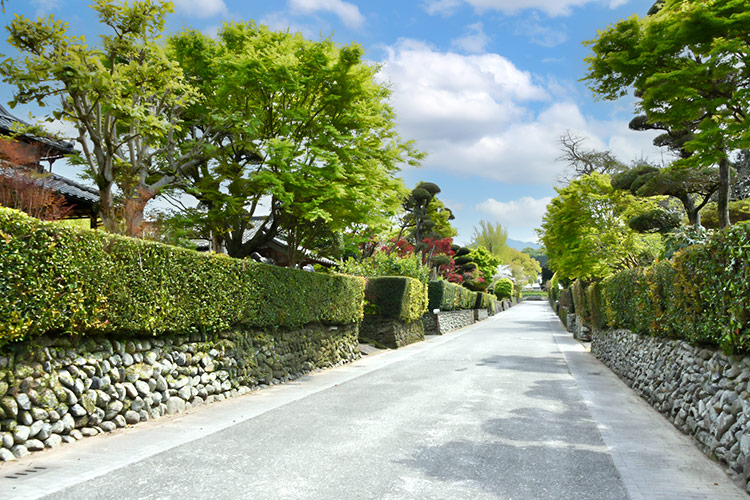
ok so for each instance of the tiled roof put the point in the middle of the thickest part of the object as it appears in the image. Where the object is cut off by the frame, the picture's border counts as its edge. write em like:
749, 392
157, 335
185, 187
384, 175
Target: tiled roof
72, 190
6, 124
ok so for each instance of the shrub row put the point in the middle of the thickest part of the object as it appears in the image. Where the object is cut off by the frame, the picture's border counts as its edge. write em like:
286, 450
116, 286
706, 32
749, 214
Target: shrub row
448, 296
59, 279
701, 296
397, 297
484, 300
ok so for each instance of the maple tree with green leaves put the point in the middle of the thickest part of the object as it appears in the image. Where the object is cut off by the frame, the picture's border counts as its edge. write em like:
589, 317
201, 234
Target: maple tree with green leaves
686, 61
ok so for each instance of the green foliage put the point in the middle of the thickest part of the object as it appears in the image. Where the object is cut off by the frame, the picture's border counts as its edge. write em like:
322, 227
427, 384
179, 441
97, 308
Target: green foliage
485, 261
585, 233
580, 301
387, 264
483, 301
739, 211
124, 98
396, 297
702, 297
503, 288
60, 279
466, 298
302, 125
684, 62
445, 295
490, 236
425, 216
688, 185
683, 237
596, 304
657, 220
462, 260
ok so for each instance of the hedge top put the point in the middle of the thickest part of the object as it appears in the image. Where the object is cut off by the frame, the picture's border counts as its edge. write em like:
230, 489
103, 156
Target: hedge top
448, 296
397, 297
59, 279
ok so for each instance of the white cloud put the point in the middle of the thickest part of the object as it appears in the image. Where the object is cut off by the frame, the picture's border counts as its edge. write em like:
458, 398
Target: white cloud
519, 217
279, 21
347, 12
474, 41
550, 7
442, 7
201, 8
540, 34
481, 115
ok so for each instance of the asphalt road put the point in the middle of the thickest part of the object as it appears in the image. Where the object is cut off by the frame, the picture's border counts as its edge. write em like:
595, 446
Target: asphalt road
492, 413
509, 408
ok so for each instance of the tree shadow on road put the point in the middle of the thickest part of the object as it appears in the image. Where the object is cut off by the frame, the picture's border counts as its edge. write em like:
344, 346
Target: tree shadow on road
522, 471
553, 450
544, 364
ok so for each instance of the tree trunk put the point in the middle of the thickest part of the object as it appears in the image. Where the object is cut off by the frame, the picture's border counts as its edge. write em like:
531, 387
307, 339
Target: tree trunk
107, 208
216, 242
134, 208
723, 201
693, 214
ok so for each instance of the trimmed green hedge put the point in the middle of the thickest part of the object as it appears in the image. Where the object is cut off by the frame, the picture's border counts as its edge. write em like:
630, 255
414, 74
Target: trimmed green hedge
703, 296
397, 297
61, 279
596, 303
580, 301
443, 295
483, 301
448, 296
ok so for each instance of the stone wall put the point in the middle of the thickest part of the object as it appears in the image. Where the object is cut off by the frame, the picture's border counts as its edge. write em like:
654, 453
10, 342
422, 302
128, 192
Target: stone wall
701, 391
481, 314
390, 332
447, 321
59, 389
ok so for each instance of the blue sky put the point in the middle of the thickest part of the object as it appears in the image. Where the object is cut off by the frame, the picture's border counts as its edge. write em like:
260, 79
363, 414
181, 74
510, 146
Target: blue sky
485, 87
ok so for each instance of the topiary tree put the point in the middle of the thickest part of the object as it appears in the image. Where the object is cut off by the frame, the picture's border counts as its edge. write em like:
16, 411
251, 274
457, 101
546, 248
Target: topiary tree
503, 288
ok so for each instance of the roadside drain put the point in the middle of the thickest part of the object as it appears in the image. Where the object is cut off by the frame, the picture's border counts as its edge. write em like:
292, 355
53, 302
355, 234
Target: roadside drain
26, 472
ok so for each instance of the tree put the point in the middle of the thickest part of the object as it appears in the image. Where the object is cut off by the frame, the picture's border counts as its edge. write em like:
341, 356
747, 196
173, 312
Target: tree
586, 161
123, 98
490, 236
693, 187
741, 184
424, 216
686, 61
304, 137
485, 261
585, 233
503, 288
524, 268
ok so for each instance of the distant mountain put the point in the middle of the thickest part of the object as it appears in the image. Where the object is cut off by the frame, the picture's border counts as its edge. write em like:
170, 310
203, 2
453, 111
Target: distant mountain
520, 245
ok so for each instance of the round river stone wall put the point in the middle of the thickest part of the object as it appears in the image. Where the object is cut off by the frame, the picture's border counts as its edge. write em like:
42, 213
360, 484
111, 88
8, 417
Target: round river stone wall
703, 392
55, 390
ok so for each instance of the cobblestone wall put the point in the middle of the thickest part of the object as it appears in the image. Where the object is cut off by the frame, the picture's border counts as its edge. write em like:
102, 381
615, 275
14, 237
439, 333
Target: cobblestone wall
453, 320
390, 332
701, 391
57, 390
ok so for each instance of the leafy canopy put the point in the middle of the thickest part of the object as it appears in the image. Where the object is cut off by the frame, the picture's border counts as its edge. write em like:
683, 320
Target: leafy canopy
687, 63
303, 130
123, 98
585, 232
